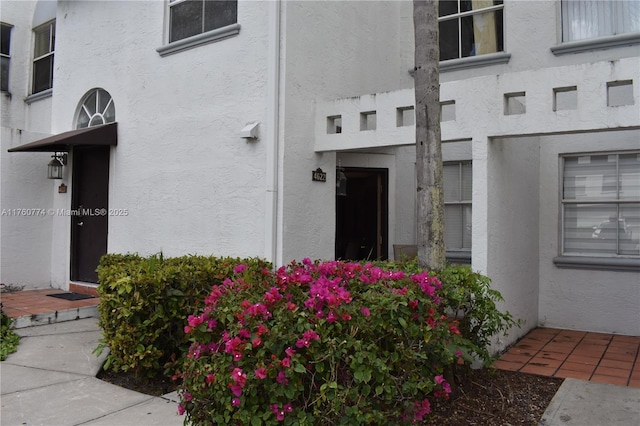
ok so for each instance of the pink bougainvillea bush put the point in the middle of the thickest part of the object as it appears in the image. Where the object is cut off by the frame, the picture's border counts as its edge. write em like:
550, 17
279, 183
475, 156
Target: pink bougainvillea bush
320, 343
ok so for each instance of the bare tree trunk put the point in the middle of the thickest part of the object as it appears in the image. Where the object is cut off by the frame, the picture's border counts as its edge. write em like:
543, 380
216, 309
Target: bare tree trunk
430, 197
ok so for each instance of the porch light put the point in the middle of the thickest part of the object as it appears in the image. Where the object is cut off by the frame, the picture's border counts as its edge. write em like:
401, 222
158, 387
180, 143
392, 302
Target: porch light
341, 182
58, 161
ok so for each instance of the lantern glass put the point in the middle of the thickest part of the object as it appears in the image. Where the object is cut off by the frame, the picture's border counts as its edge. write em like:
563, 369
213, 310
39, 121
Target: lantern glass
54, 169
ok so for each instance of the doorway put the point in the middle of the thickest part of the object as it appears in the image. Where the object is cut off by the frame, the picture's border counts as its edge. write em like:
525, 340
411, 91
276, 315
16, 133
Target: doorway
89, 204
362, 215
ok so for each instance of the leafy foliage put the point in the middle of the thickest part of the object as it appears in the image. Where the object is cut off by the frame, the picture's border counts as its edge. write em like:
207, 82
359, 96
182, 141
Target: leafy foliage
144, 303
331, 343
8, 338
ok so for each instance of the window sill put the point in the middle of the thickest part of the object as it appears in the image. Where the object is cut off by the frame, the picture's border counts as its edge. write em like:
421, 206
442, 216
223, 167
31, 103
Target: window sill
199, 39
596, 44
459, 257
475, 61
597, 263
39, 96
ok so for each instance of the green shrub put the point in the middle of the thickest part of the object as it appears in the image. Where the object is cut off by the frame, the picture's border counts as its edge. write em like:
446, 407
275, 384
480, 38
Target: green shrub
144, 303
8, 338
320, 343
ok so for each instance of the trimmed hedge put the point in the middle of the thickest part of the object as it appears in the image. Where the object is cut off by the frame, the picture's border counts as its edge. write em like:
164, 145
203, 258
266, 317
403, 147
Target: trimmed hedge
145, 302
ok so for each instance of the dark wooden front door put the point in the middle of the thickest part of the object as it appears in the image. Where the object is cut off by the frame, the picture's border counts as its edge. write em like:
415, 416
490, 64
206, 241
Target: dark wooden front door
89, 204
362, 216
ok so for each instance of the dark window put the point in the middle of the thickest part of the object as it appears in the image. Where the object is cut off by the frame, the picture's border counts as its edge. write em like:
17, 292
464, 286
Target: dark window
470, 28
5, 55
44, 46
191, 17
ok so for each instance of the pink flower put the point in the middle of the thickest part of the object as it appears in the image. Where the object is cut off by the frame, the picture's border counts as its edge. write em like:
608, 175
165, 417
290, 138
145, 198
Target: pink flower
280, 412
458, 353
235, 402
235, 389
290, 352
187, 329
261, 373
365, 311
442, 382
422, 409
240, 269
181, 410
187, 396
257, 342
306, 339
195, 321
282, 378
286, 362
239, 377
210, 378
346, 317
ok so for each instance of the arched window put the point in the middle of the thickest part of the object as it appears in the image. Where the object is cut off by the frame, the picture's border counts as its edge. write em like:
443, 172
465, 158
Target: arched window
97, 108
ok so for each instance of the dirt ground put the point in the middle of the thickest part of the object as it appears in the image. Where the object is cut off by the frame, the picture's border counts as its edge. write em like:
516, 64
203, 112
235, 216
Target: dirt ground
486, 397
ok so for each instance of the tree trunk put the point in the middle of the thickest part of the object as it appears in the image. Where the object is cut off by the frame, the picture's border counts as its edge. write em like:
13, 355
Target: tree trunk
431, 249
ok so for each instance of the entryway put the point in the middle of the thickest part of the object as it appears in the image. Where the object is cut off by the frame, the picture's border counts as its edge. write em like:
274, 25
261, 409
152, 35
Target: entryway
362, 215
89, 206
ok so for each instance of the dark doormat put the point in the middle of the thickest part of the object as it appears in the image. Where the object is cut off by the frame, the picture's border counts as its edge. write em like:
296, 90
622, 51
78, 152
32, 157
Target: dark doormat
71, 296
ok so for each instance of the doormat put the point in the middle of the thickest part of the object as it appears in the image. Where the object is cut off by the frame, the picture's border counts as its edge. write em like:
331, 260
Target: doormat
71, 296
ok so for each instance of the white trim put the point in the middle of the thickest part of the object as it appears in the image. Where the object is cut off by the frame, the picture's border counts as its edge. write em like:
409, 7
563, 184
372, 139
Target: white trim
199, 39
39, 96
596, 44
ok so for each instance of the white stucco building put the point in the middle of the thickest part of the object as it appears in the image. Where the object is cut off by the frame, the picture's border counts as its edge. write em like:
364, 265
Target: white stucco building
200, 127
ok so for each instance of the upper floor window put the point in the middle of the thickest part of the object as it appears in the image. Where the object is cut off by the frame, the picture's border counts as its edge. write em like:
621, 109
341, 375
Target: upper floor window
470, 28
44, 46
457, 183
97, 108
601, 205
191, 17
5, 55
588, 19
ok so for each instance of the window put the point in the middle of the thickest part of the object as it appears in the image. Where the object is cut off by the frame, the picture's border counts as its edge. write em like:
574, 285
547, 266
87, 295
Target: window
470, 28
191, 17
44, 46
588, 19
601, 205
96, 109
457, 182
5, 52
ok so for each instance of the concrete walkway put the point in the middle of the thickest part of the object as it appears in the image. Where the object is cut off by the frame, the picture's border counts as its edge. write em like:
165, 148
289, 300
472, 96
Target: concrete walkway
51, 381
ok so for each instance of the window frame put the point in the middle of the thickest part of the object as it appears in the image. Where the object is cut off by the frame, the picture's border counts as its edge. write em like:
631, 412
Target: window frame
204, 37
6, 56
589, 44
51, 27
600, 261
459, 254
462, 62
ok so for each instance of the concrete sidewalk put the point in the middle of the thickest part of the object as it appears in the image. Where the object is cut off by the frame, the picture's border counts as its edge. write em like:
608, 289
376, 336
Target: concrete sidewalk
51, 381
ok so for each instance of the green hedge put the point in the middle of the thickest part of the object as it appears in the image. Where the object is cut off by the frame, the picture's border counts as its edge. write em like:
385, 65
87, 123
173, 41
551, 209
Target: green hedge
145, 301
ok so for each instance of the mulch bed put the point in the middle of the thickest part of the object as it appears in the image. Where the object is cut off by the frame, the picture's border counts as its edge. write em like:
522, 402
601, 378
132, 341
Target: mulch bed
485, 397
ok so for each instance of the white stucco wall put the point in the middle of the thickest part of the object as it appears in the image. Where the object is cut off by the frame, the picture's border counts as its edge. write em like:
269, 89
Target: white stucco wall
605, 301
332, 49
512, 228
26, 195
190, 183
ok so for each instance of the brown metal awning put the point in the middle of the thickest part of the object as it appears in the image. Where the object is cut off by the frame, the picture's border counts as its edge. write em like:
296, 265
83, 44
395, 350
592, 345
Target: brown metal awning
105, 134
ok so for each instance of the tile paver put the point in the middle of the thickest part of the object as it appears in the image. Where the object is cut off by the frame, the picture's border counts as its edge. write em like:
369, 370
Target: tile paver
598, 357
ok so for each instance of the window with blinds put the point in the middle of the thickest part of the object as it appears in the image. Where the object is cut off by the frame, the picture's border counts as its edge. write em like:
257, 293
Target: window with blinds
588, 19
457, 185
601, 205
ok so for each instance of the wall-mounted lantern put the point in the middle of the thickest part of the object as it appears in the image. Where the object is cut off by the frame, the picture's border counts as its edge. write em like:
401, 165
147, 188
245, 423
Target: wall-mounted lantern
54, 169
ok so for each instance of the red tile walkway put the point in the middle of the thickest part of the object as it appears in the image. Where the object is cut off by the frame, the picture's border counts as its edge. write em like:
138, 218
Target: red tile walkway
33, 302
597, 357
